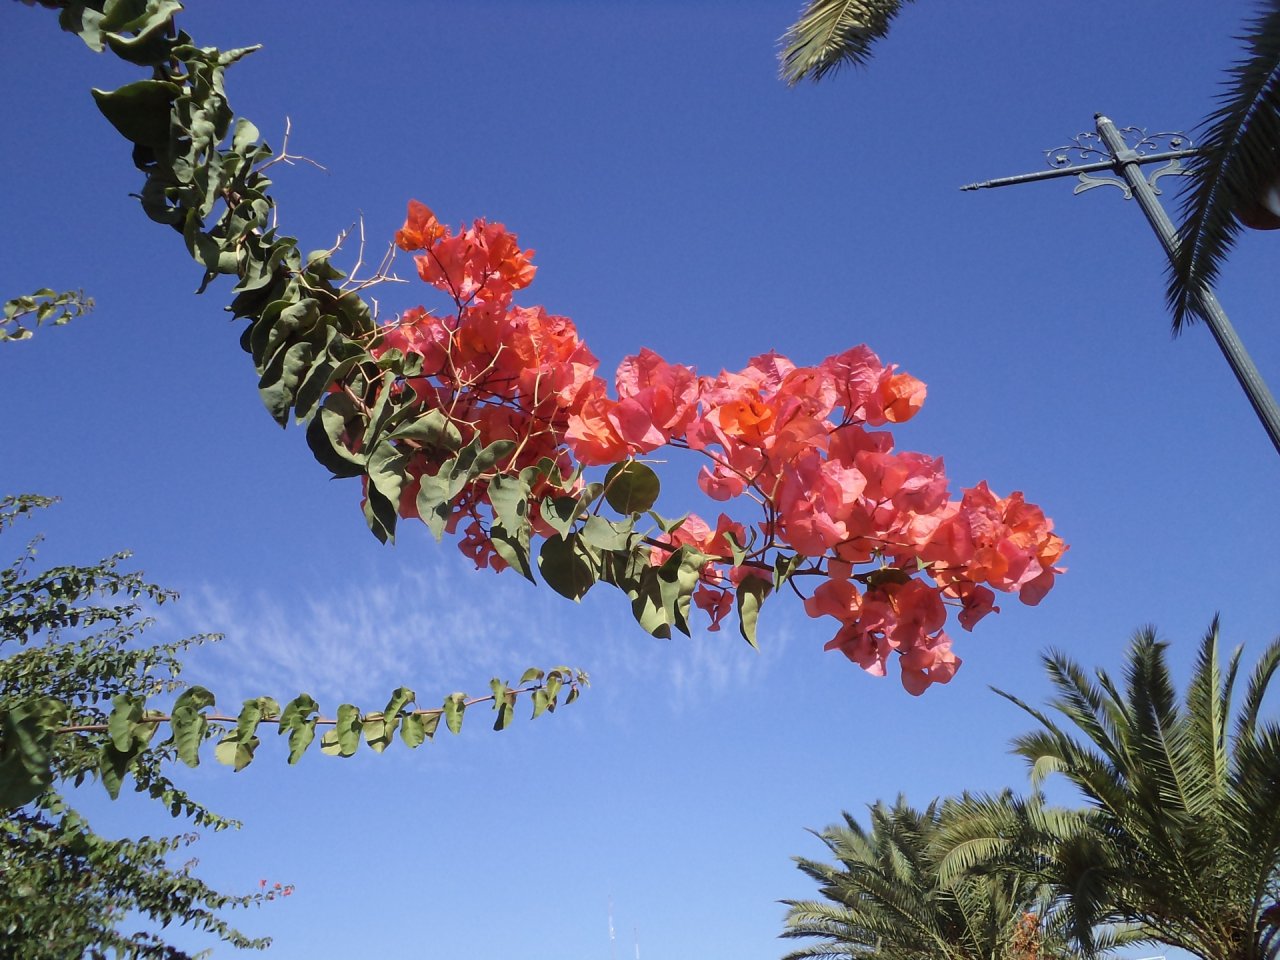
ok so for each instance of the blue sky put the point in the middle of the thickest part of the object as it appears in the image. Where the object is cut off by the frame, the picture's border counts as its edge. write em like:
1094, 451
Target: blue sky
679, 197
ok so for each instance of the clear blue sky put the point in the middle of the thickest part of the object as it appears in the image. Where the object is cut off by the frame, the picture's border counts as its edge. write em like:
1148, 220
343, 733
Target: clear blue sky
679, 197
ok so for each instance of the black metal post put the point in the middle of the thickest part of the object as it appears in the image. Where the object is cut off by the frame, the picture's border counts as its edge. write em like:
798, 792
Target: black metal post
1255, 388
1126, 162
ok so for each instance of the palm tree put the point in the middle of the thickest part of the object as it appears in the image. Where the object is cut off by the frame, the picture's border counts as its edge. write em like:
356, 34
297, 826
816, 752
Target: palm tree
1185, 802
885, 897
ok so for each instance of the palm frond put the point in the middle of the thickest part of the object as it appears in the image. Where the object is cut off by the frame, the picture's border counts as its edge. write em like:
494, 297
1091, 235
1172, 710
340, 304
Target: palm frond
1171, 785
1258, 682
1208, 712
1240, 152
1097, 710
833, 33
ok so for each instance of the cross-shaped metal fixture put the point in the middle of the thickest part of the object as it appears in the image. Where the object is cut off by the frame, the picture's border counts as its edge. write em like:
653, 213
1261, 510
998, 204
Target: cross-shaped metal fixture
1123, 152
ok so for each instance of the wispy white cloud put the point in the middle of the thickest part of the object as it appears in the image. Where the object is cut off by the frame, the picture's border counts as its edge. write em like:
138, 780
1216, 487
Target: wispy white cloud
446, 627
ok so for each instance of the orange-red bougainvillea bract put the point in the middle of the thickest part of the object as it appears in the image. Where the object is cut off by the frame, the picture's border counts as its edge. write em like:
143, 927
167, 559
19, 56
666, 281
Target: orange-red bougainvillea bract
889, 545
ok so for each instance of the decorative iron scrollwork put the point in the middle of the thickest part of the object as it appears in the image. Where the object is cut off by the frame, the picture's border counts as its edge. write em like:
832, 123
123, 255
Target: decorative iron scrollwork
1088, 148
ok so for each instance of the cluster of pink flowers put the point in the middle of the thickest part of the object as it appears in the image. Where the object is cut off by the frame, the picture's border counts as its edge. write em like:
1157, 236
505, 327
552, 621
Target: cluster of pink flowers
878, 528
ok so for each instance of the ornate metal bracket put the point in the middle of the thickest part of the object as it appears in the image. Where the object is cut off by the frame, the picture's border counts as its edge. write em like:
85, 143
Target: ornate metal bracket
1089, 150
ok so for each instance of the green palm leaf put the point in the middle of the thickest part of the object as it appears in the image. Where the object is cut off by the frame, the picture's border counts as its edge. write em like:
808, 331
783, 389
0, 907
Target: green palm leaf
833, 33
1240, 150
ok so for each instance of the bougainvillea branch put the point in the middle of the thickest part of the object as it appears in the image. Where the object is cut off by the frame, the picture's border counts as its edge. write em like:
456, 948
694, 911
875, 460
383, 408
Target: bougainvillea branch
517, 391
483, 422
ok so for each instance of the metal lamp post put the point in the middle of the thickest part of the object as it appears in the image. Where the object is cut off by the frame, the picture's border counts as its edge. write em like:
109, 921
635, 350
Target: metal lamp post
1123, 152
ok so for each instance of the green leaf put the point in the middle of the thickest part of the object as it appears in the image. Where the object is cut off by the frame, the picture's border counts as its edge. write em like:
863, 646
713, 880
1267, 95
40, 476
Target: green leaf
281, 381
151, 42
513, 548
126, 714
477, 460
454, 706
113, 764
234, 751
140, 111
26, 749
435, 500
384, 407
631, 487
188, 725
386, 470
647, 606
380, 514
390, 719
337, 418
887, 575
430, 723
784, 565
738, 551
433, 430
297, 719
542, 701
412, 730
503, 703
559, 513
668, 526
509, 497
246, 133
555, 679
347, 730
751, 593
252, 712
605, 534
377, 731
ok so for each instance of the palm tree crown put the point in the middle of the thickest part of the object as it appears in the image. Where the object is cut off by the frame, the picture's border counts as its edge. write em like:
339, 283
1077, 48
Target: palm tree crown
885, 896
1186, 801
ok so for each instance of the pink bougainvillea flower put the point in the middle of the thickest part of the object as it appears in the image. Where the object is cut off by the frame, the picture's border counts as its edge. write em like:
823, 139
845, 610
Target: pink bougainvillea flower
901, 397
421, 228
792, 441
928, 664
870, 652
977, 602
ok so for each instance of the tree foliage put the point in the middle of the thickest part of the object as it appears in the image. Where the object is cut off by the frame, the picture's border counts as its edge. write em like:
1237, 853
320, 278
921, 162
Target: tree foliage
76, 679
891, 895
1179, 843
1183, 792
43, 306
70, 640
